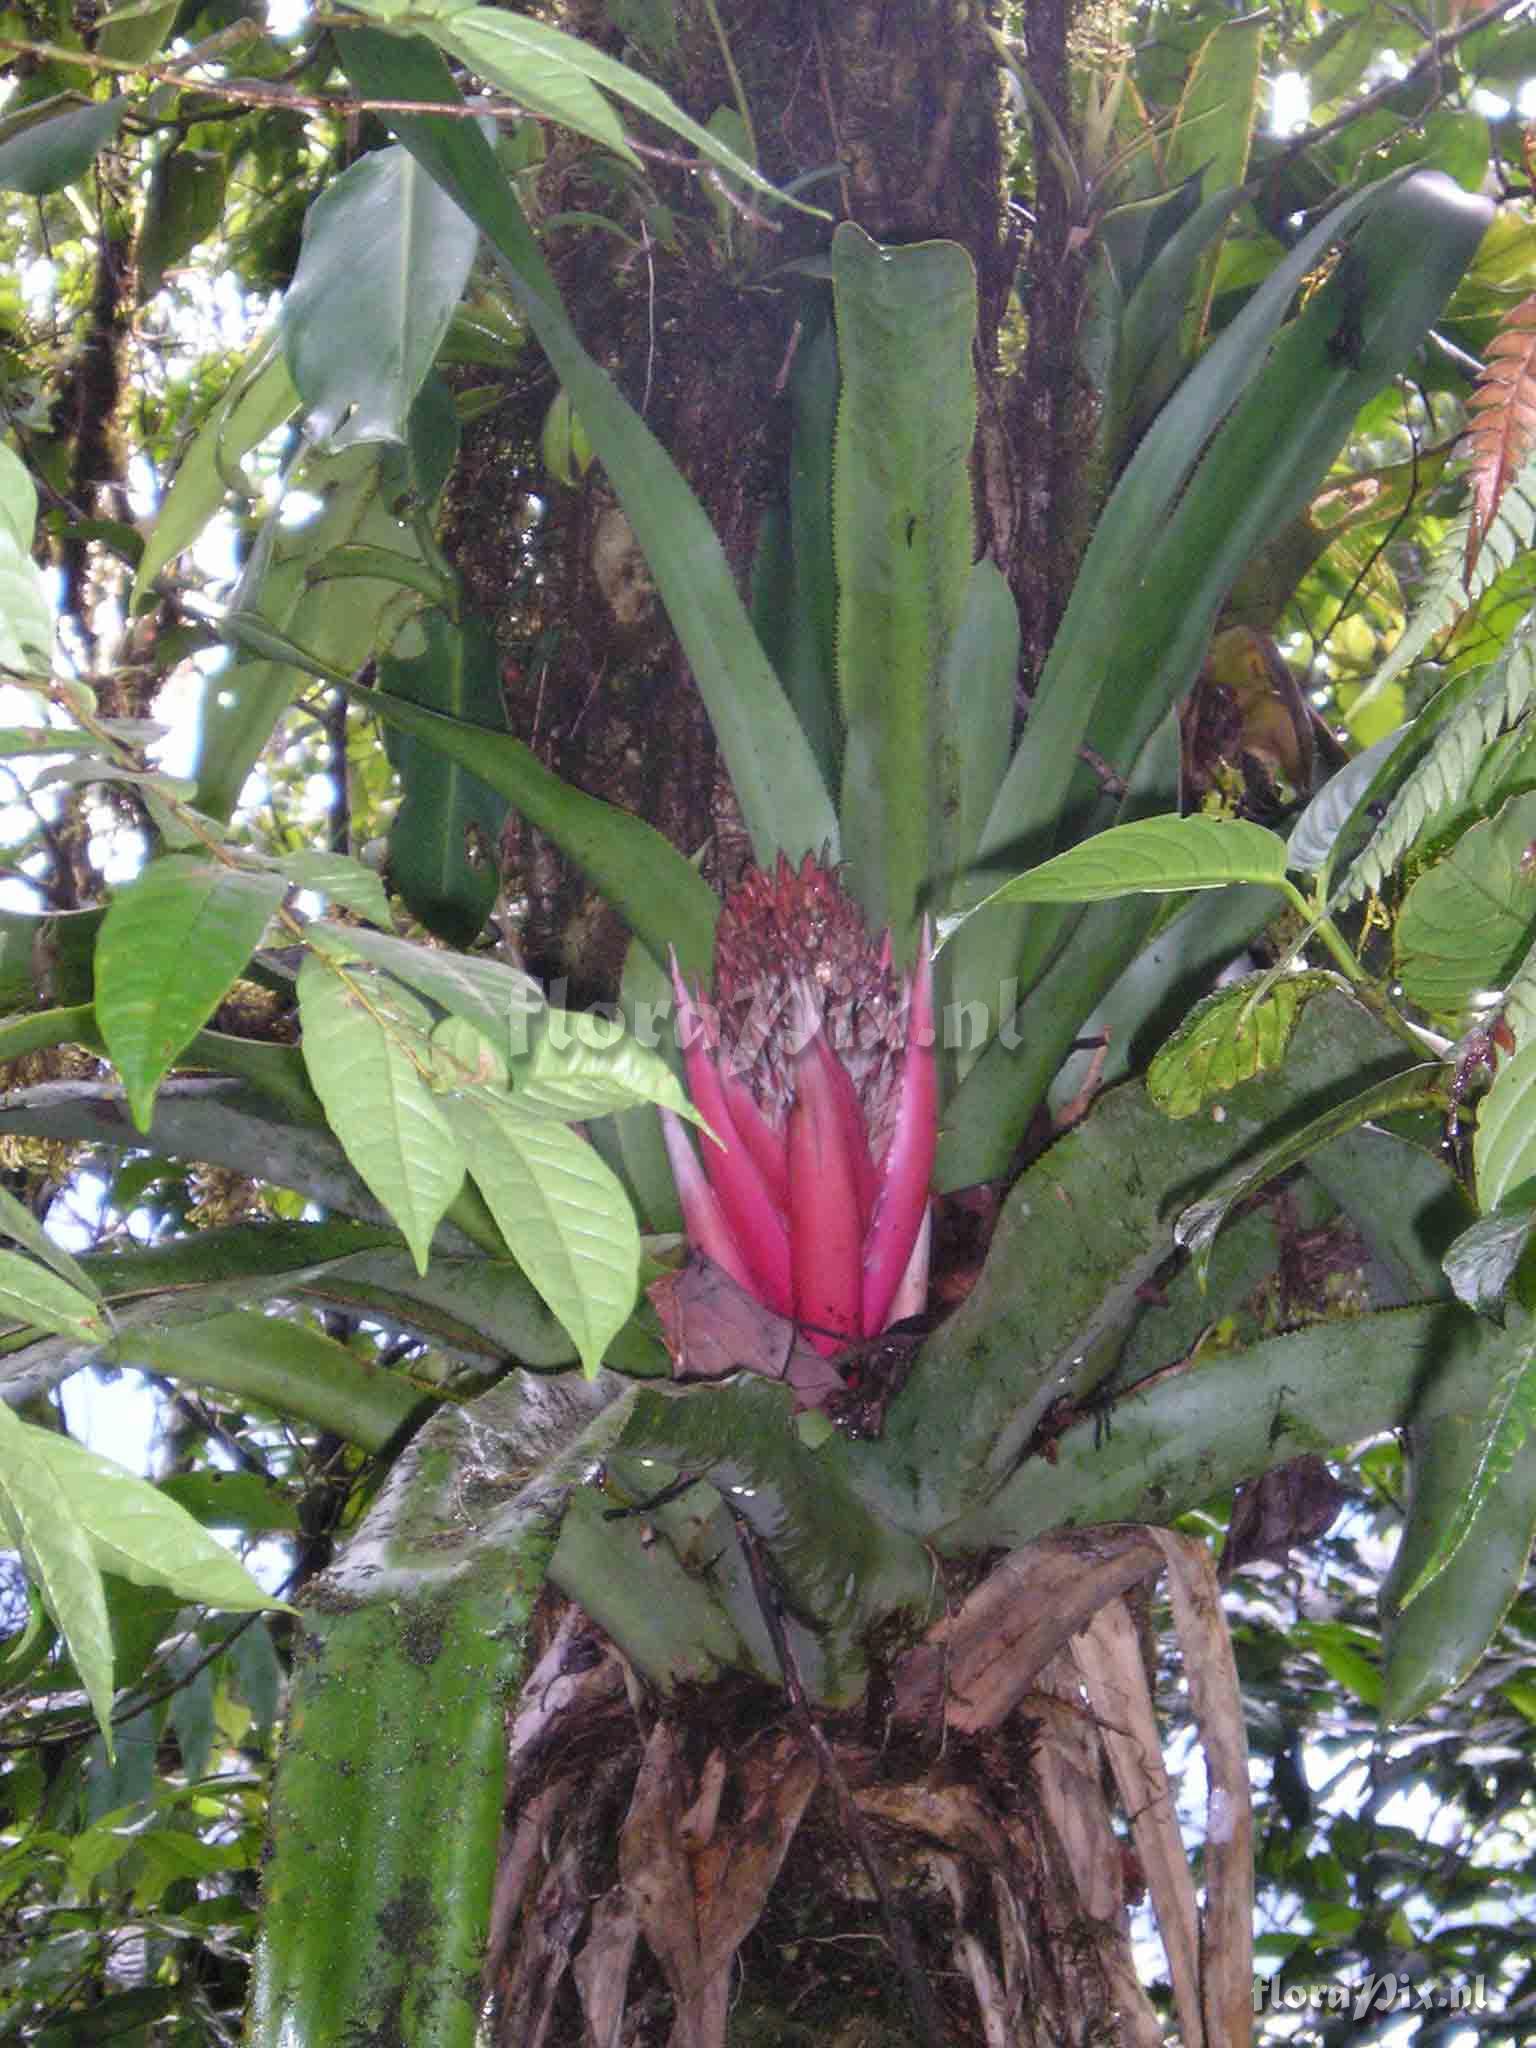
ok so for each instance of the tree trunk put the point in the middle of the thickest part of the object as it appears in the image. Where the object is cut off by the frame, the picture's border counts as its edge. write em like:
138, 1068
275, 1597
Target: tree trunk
697, 312
682, 1871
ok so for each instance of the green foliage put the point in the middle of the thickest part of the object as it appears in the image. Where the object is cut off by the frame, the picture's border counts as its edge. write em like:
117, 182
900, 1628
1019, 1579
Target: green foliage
416, 1208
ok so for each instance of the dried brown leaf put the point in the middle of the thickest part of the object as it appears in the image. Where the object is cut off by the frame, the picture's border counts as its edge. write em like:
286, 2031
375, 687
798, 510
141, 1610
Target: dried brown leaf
1210, 1673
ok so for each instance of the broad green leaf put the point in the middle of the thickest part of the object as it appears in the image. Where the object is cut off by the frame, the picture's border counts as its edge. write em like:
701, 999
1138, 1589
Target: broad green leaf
341, 881
184, 204
136, 1532
365, 1046
53, 143
34, 1295
1501, 1434
132, 33
784, 801
1431, 1644
170, 945
1504, 1147
26, 622
397, 1729
1483, 1261
445, 839
260, 398
1418, 1088
902, 531
37, 1517
283, 1365
1212, 130
1467, 922
976, 697
233, 1500
499, 1000
385, 260
18, 1222
1223, 1041
1156, 856
579, 1065
564, 1215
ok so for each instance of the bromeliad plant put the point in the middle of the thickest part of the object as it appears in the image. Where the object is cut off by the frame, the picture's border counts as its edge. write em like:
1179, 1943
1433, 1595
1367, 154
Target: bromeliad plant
877, 737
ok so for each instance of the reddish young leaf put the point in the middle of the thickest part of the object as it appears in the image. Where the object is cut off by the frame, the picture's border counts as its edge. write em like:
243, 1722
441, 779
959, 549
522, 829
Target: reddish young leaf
1502, 421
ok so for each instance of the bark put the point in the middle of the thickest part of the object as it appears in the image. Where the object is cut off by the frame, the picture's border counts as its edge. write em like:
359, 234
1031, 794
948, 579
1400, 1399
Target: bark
698, 323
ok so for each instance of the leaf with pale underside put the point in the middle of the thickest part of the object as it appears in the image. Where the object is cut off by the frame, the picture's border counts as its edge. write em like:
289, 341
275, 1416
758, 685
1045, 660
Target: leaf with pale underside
36, 1519
170, 946
1155, 856
564, 1215
366, 1047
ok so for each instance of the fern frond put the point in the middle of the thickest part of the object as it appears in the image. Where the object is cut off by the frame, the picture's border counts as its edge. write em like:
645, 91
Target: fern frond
1445, 774
1447, 595
1501, 423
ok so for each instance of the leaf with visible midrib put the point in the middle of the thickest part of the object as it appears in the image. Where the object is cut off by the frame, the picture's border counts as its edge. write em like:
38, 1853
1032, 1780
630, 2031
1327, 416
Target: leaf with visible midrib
1155, 856
35, 1516
359, 1033
563, 1213
1501, 423
170, 946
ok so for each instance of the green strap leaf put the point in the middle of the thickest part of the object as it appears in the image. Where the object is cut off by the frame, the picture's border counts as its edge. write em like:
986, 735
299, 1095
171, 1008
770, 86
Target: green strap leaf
784, 801
258, 401
365, 1046
1205, 490
1212, 130
662, 896
1504, 1147
26, 622
1500, 1436
563, 1213
974, 705
1419, 1087
397, 1732
170, 945
445, 839
38, 1519
385, 260
1434, 1641
901, 518
282, 1365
